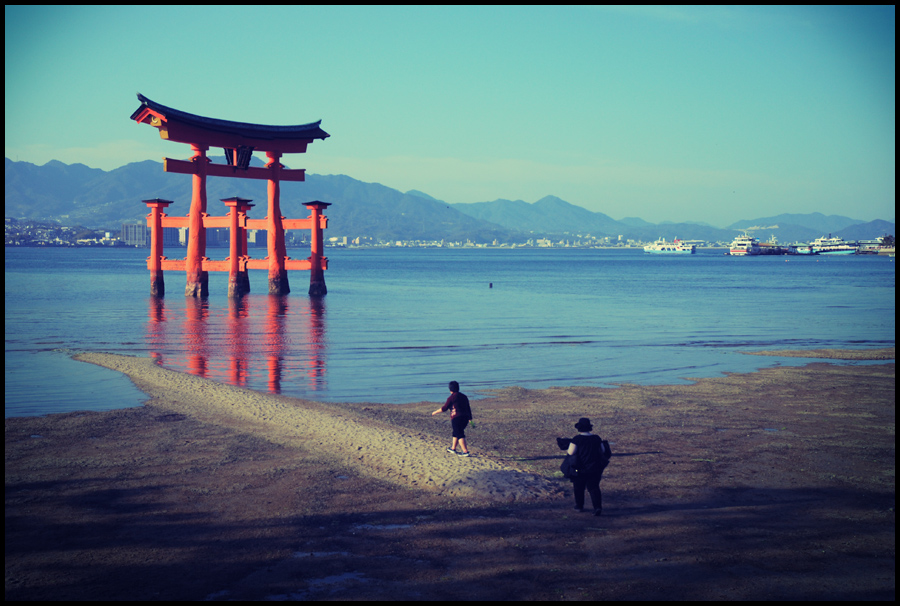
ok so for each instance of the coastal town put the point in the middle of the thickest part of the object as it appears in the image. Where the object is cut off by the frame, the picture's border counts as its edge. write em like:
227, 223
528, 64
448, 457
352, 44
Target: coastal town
22, 232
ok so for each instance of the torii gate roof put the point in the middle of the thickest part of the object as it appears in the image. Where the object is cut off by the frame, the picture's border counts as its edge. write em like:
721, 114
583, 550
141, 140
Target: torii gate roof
176, 125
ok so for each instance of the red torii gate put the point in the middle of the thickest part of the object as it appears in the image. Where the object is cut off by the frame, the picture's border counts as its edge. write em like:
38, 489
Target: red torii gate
239, 140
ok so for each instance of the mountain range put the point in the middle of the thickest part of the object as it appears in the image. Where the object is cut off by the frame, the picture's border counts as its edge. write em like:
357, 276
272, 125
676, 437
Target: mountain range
75, 194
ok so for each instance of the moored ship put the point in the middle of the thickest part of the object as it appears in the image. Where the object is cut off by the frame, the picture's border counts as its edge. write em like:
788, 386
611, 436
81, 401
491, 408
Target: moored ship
744, 246
677, 247
833, 246
802, 249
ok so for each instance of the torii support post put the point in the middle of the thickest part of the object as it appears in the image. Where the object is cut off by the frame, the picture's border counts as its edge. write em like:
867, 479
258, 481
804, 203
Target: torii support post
238, 282
278, 278
243, 275
154, 261
197, 284
317, 245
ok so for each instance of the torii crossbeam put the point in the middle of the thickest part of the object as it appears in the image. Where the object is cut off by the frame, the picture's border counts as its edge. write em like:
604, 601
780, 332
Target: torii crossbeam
239, 140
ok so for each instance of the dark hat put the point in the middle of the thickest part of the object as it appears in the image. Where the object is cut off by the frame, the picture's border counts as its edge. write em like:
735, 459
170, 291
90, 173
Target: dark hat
584, 424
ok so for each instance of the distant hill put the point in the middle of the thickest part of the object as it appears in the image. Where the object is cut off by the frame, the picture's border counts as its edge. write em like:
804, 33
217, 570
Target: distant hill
813, 221
380, 212
549, 214
74, 194
47, 190
421, 194
635, 222
807, 227
77, 194
867, 231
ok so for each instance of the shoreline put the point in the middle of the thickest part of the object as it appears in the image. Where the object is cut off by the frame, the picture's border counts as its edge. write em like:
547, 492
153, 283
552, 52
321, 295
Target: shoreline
869, 354
880, 353
776, 484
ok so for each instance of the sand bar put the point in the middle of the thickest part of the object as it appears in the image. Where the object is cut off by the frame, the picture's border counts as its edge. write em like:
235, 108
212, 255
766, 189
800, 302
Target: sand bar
377, 449
881, 353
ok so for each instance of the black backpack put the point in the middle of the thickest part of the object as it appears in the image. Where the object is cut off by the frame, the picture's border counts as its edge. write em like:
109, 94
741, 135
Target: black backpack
568, 466
605, 456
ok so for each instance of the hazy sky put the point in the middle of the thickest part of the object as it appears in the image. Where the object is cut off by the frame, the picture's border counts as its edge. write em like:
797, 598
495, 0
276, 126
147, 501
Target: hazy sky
664, 113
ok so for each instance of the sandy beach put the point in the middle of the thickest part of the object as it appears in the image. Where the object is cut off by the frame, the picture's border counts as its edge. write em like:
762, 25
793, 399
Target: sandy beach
777, 484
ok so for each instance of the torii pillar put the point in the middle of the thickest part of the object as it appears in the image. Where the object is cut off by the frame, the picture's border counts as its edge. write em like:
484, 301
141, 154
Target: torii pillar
238, 281
317, 246
278, 278
154, 261
197, 284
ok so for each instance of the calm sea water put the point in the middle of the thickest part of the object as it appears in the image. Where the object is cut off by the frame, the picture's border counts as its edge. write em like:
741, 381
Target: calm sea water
397, 324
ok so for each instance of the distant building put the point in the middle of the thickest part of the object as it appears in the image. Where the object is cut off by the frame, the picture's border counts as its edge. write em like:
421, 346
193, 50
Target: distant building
217, 237
171, 237
138, 234
135, 234
257, 238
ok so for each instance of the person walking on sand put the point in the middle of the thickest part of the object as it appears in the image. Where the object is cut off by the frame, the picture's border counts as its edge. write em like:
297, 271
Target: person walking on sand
592, 456
460, 415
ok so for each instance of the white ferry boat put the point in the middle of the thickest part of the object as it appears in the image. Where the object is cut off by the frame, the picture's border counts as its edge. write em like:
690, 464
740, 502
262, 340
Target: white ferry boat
745, 245
833, 246
677, 247
802, 249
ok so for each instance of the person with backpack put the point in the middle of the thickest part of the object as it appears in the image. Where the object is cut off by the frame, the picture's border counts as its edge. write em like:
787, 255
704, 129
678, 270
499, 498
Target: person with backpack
460, 415
590, 455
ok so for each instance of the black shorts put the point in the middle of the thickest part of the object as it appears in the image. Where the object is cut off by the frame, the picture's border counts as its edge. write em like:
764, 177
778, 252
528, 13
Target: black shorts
459, 425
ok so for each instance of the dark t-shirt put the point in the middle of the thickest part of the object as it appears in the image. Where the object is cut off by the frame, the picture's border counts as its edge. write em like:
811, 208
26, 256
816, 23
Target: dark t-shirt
459, 405
589, 452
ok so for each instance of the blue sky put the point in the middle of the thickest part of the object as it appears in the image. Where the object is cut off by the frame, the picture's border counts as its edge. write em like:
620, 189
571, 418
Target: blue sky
708, 114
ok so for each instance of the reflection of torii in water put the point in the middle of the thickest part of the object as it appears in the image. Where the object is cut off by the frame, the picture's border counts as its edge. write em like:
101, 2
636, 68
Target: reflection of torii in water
232, 347
239, 140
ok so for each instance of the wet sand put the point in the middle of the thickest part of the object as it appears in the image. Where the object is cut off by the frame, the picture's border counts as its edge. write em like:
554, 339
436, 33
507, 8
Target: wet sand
777, 484
882, 353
